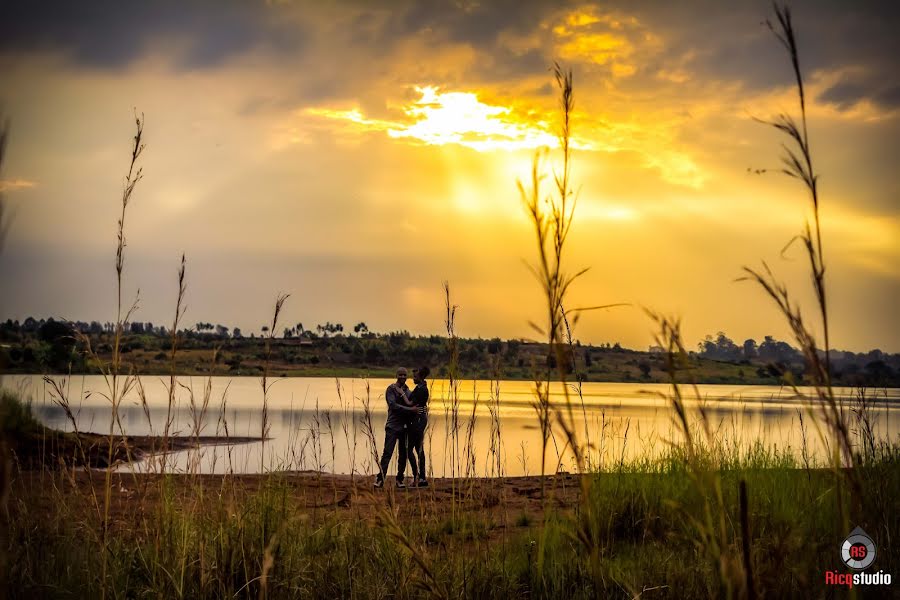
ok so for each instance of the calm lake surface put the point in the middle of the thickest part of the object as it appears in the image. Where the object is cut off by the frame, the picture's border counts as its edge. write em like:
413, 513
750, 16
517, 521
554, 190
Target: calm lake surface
319, 423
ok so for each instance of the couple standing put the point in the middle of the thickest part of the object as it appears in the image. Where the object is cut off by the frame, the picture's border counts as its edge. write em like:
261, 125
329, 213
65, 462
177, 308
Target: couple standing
406, 422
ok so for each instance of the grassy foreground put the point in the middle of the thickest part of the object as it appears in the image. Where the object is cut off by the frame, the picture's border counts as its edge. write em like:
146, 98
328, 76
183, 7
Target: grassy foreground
640, 531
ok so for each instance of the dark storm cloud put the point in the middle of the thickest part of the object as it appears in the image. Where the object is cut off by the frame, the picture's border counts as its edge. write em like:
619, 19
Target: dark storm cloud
730, 41
331, 50
476, 23
847, 94
505, 65
714, 40
725, 41
111, 33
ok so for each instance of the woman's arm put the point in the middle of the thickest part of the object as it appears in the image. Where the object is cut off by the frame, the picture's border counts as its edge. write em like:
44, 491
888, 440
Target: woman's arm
406, 397
407, 402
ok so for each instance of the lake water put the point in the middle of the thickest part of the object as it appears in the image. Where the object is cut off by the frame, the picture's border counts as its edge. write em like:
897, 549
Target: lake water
318, 423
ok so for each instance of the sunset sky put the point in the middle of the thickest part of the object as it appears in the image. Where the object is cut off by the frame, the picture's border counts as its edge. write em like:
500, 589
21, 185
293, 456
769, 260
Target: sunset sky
357, 154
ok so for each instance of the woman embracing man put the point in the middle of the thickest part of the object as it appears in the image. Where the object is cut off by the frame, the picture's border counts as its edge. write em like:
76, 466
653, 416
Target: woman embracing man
415, 429
405, 427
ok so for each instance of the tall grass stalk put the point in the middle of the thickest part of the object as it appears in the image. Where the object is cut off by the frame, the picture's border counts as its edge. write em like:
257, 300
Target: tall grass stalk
116, 389
117, 386
5, 458
703, 468
495, 452
797, 163
865, 425
578, 389
469, 452
428, 583
368, 426
452, 408
59, 394
552, 215
4, 217
173, 355
348, 426
264, 380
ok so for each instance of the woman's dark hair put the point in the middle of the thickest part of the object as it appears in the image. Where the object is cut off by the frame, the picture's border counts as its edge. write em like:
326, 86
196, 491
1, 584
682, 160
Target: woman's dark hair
423, 372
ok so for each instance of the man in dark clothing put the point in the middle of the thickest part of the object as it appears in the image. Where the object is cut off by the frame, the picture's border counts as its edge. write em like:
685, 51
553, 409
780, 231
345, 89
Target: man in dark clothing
415, 431
399, 414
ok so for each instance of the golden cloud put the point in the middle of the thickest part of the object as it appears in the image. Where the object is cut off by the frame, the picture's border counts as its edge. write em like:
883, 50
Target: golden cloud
461, 118
602, 39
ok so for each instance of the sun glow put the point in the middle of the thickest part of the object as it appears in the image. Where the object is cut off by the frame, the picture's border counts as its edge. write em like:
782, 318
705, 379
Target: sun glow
461, 118
439, 118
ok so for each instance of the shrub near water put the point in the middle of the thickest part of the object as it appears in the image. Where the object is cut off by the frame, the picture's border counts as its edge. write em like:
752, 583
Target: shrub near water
16, 419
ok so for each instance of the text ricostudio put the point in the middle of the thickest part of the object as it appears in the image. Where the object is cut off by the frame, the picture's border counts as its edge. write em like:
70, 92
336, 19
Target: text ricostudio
852, 579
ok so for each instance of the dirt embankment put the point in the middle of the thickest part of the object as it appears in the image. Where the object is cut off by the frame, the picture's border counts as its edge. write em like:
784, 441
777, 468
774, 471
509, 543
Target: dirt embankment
48, 448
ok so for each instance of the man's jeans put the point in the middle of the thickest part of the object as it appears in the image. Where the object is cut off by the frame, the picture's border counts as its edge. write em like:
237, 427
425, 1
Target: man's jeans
391, 438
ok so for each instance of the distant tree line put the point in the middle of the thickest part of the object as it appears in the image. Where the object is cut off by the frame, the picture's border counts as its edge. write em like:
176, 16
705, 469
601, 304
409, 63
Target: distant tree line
50, 345
874, 366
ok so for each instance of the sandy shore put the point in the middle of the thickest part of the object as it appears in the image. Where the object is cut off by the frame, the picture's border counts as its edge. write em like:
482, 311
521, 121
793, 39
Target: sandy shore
133, 494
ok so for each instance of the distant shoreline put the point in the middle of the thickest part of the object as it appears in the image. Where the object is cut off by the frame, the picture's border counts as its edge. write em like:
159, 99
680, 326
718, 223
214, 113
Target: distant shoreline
387, 373
50, 346
350, 372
